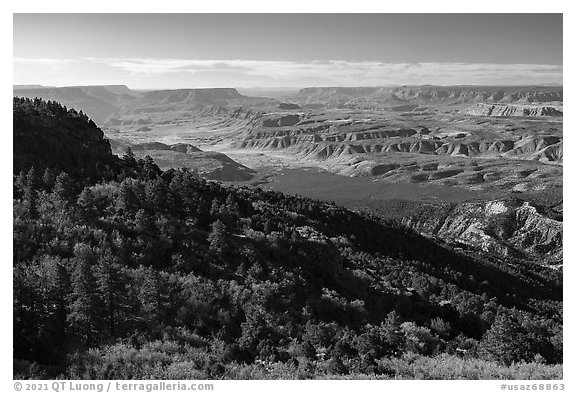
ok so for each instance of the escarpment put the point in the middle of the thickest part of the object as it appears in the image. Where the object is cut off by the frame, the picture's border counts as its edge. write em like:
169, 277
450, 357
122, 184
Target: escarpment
398, 97
483, 109
325, 140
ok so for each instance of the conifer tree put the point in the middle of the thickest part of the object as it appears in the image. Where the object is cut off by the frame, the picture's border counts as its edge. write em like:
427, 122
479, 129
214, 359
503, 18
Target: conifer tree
19, 183
64, 187
218, 238
155, 194
150, 296
48, 179
32, 178
505, 341
84, 308
175, 194
127, 200
87, 203
110, 285
129, 157
150, 170
60, 292
30, 203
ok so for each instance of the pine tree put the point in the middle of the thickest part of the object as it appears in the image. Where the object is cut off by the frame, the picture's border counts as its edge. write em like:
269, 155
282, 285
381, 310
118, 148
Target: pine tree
32, 179
155, 194
505, 341
30, 203
127, 200
30, 194
60, 290
175, 194
143, 221
19, 183
28, 305
150, 170
189, 185
84, 308
48, 179
203, 213
19, 290
391, 333
87, 203
64, 187
130, 168
218, 238
111, 287
232, 208
150, 297
129, 157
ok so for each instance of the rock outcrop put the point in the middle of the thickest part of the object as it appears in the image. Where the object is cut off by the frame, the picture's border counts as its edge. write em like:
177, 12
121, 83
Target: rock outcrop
482, 109
288, 105
281, 120
322, 140
508, 227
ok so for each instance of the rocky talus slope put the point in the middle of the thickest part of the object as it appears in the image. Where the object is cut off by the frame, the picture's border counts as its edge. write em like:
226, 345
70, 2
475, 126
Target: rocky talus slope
508, 227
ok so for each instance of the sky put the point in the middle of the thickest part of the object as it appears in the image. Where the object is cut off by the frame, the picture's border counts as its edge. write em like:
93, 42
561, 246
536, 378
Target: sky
152, 51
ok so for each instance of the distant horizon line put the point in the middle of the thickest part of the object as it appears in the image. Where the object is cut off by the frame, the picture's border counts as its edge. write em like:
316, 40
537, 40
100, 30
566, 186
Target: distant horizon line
36, 85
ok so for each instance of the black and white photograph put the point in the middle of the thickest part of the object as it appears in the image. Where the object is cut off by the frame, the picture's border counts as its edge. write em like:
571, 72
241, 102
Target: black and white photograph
287, 196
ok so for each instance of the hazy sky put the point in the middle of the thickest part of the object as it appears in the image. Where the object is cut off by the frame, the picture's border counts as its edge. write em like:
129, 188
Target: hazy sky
265, 50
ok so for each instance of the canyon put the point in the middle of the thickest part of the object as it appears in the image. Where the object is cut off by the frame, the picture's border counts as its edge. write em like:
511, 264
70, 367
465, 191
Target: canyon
482, 145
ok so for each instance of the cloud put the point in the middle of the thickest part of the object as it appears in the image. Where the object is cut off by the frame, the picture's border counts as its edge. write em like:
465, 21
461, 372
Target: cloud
297, 73
346, 71
54, 64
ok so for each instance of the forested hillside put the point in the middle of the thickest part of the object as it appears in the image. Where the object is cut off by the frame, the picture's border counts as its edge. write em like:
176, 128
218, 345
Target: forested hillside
124, 271
48, 135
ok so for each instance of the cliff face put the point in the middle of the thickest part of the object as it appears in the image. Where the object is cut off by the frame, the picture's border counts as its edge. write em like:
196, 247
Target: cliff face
334, 96
482, 109
503, 227
326, 140
205, 96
